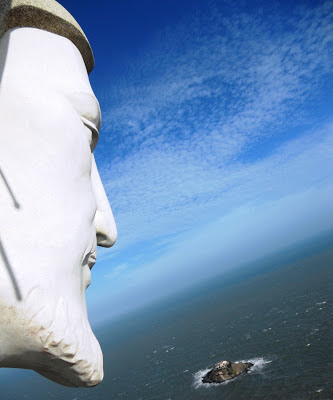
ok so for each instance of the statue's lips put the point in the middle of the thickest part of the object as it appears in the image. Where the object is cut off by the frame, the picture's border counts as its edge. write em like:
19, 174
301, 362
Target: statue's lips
88, 262
92, 259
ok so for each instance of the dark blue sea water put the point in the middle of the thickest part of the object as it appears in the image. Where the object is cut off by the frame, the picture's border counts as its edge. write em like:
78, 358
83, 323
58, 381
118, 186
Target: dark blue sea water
276, 313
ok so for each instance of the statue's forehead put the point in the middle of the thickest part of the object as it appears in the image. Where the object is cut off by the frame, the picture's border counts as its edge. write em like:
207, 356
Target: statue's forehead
47, 15
58, 78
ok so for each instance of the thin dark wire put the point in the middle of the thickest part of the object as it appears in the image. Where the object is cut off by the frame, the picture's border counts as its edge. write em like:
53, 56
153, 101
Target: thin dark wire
16, 203
10, 272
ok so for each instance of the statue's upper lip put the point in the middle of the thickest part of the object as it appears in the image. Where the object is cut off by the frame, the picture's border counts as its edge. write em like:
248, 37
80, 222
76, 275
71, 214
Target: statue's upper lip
90, 255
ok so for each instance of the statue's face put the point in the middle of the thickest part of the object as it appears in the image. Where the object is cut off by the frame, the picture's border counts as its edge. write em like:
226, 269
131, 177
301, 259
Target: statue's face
53, 208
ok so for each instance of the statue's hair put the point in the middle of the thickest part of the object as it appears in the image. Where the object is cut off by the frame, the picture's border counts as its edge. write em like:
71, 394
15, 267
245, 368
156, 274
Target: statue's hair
47, 15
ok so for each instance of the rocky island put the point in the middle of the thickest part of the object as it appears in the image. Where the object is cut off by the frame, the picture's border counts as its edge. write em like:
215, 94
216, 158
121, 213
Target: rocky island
226, 370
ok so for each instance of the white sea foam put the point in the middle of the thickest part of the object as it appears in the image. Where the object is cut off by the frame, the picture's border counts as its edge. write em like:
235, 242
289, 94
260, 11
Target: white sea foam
167, 347
198, 379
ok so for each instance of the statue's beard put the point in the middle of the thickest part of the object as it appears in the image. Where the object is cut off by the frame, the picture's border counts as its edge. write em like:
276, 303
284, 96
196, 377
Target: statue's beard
69, 352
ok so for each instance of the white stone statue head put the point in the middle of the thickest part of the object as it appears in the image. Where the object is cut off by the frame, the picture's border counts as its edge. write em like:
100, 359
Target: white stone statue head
53, 208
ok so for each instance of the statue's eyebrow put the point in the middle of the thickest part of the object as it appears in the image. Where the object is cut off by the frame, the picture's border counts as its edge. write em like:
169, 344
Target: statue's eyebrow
89, 109
87, 106
94, 131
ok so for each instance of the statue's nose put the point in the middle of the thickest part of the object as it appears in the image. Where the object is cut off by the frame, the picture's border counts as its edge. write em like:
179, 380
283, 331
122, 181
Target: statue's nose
106, 230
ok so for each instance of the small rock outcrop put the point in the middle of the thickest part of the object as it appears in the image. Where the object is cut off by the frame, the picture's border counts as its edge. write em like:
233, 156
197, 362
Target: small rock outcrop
226, 370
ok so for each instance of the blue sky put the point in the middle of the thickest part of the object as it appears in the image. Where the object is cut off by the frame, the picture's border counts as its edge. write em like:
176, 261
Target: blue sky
216, 142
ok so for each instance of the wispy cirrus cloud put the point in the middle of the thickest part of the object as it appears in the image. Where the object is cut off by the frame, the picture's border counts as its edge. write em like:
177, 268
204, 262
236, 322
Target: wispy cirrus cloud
116, 272
221, 76
218, 113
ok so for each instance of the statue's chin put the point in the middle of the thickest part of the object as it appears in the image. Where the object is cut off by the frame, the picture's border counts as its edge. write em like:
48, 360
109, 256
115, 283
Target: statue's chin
56, 341
73, 356
74, 362
73, 359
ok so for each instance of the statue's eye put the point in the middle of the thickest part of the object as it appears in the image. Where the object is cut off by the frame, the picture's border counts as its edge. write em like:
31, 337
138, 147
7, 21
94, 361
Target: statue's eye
94, 132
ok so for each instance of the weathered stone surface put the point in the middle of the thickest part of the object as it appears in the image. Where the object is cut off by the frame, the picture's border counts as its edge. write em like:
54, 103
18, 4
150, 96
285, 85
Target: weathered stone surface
226, 370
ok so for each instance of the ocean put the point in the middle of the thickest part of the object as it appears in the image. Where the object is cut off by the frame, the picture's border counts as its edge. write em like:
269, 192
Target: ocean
276, 313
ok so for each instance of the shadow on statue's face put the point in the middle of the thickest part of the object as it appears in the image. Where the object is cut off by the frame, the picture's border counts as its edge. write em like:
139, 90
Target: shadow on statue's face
53, 208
